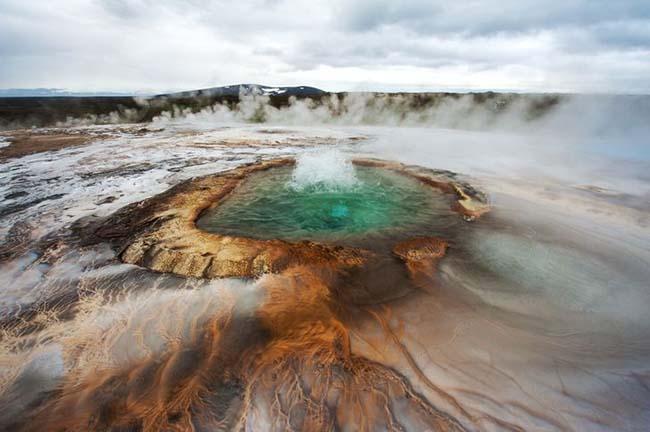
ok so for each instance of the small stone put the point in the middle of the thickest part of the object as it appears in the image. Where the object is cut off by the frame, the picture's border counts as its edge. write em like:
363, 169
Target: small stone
420, 249
14, 195
106, 200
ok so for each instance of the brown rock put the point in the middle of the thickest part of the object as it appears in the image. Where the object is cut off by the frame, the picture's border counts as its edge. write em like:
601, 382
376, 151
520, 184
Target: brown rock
24, 142
421, 249
160, 233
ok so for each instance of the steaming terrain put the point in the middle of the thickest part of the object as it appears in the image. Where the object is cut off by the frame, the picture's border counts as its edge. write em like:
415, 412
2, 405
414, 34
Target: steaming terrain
286, 268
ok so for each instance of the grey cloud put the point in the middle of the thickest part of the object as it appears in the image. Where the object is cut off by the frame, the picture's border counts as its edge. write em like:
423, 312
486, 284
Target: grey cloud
629, 34
120, 8
487, 17
172, 44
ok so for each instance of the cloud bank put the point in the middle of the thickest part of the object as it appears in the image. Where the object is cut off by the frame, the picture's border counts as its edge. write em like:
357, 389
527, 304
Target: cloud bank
146, 45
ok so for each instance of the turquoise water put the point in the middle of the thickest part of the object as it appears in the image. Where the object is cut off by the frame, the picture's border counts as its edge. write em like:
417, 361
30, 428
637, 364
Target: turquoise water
381, 203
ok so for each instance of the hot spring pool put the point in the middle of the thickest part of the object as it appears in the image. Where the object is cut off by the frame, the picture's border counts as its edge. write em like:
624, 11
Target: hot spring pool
378, 203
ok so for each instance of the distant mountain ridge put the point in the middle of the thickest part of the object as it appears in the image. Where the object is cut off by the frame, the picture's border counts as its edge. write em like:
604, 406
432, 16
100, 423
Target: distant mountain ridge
48, 106
62, 107
231, 90
237, 89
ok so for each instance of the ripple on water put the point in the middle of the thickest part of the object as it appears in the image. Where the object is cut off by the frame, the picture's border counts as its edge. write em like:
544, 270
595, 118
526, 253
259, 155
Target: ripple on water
381, 204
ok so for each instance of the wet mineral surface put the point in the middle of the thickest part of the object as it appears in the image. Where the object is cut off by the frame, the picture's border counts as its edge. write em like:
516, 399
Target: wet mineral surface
531, 316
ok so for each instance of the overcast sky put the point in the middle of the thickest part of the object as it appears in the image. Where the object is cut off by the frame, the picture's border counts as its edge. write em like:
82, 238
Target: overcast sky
161, 45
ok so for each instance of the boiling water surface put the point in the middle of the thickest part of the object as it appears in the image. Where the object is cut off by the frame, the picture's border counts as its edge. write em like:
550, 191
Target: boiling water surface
379, 204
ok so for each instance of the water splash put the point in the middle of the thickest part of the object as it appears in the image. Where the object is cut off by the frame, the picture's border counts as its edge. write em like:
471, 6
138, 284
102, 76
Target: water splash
382, 204
324, 170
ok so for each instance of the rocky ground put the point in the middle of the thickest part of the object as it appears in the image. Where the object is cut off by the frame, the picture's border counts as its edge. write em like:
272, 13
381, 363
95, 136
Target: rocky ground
535, 318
